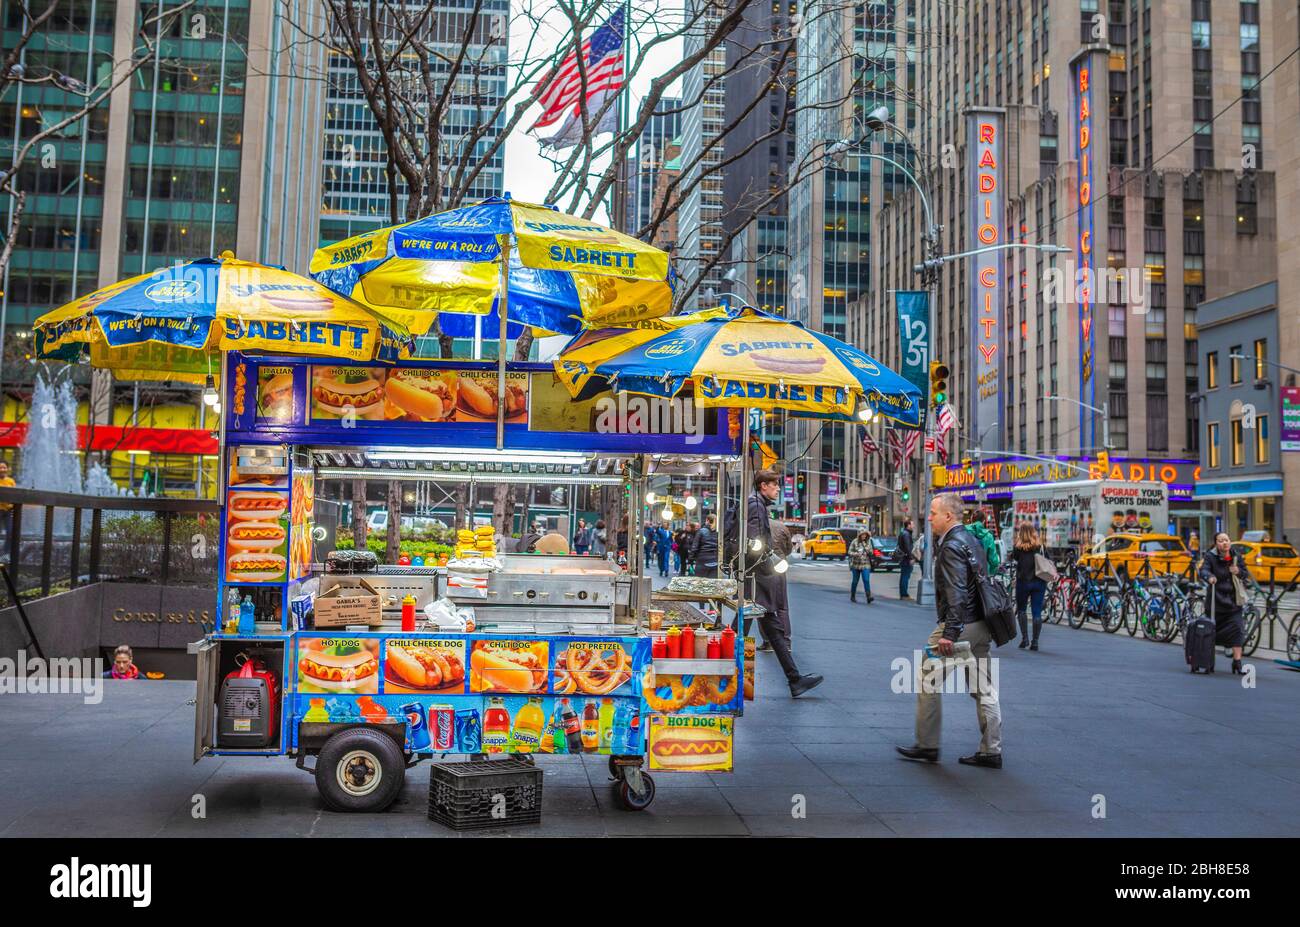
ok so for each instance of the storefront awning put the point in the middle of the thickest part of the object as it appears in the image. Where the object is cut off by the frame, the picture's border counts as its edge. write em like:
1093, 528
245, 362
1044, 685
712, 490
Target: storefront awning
1268, 484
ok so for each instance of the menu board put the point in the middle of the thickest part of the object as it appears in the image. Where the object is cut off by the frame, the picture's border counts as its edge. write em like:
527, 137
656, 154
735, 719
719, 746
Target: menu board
415, 395
257, 536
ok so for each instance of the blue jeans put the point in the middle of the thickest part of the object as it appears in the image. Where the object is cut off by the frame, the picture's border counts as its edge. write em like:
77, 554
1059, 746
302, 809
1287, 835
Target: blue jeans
904, 577
1030, 592
865, 576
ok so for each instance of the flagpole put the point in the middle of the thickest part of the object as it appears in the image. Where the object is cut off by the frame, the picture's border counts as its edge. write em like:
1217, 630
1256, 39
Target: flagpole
618, 212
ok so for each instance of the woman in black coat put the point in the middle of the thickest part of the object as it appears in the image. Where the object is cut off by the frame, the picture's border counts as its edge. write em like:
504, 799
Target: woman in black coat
1218, 568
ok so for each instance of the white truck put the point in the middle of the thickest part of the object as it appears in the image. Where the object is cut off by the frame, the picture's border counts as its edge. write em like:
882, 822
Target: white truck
1073, 516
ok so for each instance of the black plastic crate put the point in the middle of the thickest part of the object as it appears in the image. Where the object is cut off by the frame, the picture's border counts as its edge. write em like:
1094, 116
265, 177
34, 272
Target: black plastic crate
463, 796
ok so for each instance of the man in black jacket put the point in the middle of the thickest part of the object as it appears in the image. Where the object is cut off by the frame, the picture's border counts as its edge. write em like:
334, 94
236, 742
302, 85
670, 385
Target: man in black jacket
704, 548
905, 558
768, 586
958, 565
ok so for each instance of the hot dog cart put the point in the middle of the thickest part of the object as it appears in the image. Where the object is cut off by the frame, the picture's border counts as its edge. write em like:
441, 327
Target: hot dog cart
512, 653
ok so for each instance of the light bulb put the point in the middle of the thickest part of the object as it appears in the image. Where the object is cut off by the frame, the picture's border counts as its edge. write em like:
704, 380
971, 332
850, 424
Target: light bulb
649, 498
781, 566
864, 414
210, 397
667, 513
690, 503
755, 544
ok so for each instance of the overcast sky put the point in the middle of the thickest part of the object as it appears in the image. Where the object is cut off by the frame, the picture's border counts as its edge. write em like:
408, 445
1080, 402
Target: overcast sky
528, 175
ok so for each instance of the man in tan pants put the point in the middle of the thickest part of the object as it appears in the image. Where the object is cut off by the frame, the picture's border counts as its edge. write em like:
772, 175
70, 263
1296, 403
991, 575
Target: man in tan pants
960, 641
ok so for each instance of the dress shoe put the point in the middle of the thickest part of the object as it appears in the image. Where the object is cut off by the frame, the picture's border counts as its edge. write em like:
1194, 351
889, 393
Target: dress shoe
1024, 642
1033, 645
919, 753
987, 760
804, 683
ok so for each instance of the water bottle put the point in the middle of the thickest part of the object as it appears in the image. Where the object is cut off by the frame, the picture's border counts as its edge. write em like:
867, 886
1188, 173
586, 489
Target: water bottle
230, 617
247, 620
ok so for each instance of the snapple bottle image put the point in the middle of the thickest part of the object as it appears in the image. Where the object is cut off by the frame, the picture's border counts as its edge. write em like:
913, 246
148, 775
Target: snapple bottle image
526, 736
590, 727
496, 727
606, 723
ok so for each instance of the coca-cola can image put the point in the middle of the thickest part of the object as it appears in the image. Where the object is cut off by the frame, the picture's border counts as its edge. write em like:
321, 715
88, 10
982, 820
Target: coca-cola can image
442, 727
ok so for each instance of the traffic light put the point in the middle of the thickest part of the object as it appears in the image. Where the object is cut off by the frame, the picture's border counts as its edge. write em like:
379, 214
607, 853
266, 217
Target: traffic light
907, 493
968, 466
938, 383
799, 482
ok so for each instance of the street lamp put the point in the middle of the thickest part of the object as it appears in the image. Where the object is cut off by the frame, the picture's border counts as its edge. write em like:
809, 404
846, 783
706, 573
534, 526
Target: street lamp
1105, 416
934, 263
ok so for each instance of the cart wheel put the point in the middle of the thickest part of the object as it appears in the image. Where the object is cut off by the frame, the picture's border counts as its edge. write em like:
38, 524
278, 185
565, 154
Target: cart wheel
360, 770
615, 771
630, 800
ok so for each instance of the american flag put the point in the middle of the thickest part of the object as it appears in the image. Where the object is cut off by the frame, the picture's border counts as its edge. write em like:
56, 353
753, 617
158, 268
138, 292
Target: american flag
909, 449
896, 447
940, 448
946, 419
869, 446
558, 91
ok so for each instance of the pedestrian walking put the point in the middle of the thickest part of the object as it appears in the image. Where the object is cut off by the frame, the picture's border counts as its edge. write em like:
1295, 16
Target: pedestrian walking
768, 587
1224, 572
664, 549
582, 538
650, 536
958, 569
704, 548
1029, 588
860, 565
906, 557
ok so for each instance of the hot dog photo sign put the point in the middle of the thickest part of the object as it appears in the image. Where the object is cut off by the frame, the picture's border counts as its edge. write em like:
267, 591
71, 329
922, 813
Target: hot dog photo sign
374, 394
257, 536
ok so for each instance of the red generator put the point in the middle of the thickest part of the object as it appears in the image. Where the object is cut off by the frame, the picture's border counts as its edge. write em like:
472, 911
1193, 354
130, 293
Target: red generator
246, 707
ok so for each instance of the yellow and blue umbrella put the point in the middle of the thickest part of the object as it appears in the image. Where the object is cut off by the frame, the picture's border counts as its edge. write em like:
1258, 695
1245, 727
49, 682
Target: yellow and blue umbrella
742, 358
564, 273
167, 324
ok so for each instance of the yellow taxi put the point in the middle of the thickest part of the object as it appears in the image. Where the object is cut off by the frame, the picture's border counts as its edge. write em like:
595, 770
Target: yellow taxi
1141, 555
1267, 560
825, 543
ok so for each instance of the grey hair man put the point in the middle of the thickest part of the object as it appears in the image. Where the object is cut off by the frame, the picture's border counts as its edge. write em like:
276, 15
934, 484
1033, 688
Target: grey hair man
959, 564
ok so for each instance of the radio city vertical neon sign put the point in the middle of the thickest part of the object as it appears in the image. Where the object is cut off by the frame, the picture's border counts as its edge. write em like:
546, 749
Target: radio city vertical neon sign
1084, 250
987, 226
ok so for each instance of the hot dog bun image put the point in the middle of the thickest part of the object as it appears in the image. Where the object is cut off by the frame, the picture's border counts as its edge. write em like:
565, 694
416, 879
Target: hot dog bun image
431, 397
255, 566
500, 670
780, 363
476, 400
256, 506
255, 535
689, 748
275, 400
351, 671
425, 667
334, 397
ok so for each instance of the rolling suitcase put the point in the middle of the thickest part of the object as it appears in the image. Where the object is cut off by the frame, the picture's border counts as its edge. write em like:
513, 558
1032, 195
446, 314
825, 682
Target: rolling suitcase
1198, 641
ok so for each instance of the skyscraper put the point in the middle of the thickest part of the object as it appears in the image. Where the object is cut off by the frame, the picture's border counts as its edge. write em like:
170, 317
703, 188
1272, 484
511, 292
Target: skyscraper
700, 220
846, 65
647, 158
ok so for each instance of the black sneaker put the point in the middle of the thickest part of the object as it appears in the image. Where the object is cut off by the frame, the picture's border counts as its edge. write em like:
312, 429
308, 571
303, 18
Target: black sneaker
921, 754
764, 647
987, 760
804, 683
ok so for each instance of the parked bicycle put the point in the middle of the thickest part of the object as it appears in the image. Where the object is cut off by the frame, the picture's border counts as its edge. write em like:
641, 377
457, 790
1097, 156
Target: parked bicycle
1090, 600
1145, 604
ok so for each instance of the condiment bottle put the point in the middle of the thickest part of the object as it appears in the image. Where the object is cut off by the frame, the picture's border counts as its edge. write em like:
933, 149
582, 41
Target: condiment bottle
408, 613
728, 643
674, 643
701, 644
688, 642
715, 647
658, 646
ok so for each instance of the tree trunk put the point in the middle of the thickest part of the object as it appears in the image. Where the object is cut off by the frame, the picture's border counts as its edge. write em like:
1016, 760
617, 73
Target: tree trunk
503, 508
462, 507
359, 514
523, 344
394, 541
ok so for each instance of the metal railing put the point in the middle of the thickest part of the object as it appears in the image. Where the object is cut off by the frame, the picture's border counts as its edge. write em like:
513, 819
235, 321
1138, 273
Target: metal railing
53, 541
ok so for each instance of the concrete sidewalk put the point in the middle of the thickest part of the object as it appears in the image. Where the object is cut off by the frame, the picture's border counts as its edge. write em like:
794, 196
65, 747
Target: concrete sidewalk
1094, 724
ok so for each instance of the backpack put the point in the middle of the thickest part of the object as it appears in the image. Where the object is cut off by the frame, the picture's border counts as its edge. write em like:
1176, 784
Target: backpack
994, 603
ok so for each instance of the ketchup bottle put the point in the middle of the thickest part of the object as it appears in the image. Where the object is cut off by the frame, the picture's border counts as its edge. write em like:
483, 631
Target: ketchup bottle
674, 643
688, 642
729, 643
408, 613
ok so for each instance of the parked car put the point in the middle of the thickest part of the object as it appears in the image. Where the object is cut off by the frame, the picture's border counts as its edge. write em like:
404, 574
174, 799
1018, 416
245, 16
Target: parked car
884, 554
825, 543
1269, 561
